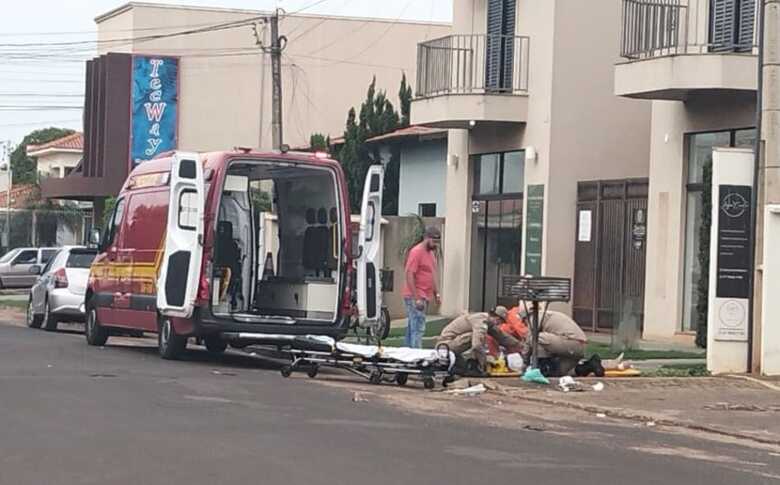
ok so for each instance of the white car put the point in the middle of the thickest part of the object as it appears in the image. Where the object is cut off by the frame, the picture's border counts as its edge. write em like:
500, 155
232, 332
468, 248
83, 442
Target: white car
58, 295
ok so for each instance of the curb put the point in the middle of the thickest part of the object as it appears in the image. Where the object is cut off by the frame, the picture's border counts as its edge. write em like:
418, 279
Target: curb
638, 416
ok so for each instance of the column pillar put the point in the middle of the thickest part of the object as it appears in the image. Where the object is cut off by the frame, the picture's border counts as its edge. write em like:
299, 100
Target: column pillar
457, 230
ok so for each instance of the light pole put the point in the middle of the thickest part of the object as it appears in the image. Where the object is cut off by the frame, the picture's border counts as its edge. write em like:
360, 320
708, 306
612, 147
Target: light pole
5, 166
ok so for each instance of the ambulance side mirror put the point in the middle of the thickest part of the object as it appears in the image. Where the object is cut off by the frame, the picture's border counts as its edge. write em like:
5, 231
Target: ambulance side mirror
94, 237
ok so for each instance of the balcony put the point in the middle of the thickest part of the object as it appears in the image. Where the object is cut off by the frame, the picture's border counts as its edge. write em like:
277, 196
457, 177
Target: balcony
471, 78
675, 48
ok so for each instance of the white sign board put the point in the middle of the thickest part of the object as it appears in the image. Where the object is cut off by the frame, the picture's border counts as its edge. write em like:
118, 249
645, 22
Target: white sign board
586, 229
731, 317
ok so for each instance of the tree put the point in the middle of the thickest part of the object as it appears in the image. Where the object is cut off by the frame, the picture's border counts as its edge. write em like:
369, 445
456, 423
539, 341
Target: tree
377, 116
405, 95
703, 286
26, 168
319, 142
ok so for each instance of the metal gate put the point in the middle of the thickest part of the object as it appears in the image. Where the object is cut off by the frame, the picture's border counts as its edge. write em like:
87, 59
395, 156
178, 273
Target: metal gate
609, 274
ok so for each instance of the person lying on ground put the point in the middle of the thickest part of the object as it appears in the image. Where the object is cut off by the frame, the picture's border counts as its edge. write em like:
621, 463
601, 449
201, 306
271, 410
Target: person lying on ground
514, 326
561, 344
466, 336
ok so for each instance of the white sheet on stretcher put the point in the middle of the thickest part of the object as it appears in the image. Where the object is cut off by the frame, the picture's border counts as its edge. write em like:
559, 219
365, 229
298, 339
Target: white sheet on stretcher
401, 354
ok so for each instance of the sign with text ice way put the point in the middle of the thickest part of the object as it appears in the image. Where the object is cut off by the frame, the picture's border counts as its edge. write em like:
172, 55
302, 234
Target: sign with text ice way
155, 100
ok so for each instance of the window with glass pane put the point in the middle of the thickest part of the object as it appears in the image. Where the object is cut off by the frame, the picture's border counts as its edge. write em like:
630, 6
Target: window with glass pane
745, 138
514, 172
700, 153
489, 173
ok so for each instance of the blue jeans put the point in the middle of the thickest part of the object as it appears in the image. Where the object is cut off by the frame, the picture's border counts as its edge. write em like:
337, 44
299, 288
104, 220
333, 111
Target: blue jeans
415, 327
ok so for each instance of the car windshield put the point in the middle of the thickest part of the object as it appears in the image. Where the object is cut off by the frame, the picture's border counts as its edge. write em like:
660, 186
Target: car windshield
9, 256
80, 259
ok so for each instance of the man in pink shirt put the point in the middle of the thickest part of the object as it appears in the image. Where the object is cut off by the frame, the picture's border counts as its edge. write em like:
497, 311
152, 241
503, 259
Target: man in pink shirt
421, 288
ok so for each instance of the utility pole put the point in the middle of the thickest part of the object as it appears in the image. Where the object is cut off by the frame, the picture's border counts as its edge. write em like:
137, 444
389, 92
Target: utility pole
767, 175
277, 45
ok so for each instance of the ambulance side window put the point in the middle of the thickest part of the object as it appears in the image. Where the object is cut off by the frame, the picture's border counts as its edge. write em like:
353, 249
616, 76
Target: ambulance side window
113, 225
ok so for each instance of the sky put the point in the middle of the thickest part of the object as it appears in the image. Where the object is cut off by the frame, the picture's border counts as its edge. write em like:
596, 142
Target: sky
42, 85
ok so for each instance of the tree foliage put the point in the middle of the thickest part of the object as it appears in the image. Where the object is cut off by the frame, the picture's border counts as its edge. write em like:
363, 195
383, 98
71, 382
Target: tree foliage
377, 116
319, 142
703, 286
25, 168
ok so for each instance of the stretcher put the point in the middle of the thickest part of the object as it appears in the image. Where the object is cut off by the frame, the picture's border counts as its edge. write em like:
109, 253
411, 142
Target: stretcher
375, 363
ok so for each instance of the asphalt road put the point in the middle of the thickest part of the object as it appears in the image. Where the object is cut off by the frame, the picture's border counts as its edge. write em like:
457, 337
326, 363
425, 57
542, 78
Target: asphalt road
72, 414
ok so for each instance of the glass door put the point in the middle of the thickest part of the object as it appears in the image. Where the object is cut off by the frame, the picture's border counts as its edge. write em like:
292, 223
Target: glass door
496, 250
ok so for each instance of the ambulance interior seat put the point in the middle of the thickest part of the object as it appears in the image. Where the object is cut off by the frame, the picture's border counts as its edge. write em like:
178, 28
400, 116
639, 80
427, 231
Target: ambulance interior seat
229, 256
316, 242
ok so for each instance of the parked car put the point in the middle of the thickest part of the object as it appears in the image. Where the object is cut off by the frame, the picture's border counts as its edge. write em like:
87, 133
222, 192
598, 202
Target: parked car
16, 265
184, 253
59, 292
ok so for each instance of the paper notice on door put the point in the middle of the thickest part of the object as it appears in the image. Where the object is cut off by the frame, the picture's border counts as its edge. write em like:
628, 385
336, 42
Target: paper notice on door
585, 226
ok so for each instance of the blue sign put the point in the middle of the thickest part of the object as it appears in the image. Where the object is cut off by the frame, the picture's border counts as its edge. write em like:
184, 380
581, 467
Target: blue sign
155, 100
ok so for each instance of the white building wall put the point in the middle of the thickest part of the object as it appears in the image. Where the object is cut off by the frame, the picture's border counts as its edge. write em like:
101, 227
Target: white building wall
423, 177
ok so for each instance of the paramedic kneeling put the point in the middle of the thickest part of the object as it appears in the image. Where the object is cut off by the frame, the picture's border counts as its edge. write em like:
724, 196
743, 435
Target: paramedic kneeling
420, 287
561, 344
467, 335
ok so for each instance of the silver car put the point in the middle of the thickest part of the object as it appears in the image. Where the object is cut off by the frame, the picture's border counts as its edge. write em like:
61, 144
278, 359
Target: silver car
58, 295
17, 264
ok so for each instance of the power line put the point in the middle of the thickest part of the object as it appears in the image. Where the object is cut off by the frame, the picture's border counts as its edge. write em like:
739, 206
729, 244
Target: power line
211, 28
307, 7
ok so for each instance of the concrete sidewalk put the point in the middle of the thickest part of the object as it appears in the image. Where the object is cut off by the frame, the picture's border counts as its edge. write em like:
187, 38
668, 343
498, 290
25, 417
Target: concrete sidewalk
739, 407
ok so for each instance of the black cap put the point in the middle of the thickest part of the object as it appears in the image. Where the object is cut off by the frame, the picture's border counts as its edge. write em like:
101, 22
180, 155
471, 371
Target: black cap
432, 232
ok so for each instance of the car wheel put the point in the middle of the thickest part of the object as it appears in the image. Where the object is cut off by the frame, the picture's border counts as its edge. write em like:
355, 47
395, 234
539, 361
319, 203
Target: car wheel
49, 319
170, 345
33, 320
215, 345
96, 334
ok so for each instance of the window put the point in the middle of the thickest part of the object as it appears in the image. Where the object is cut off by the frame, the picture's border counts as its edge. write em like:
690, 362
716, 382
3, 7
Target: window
116, 220
188, 210
499, 173
80, 259
47, 254
28, 256
696, 256
732, 25
52, 262
500, 44
427, 210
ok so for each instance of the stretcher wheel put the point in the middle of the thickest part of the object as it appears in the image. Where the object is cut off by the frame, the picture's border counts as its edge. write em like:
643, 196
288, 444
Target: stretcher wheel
447, 381
429, 383
375, 377
312, 372
401, 378
286, 371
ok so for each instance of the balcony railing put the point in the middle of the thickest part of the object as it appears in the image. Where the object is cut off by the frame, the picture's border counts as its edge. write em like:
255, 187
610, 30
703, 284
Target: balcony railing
472, 64
655, 28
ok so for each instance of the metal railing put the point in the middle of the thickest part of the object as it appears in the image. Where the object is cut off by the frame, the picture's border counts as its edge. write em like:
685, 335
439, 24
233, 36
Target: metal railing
473, 64
656, 28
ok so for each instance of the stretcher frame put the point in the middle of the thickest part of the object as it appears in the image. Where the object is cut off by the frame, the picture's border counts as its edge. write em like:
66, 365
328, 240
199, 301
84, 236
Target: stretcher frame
375, 369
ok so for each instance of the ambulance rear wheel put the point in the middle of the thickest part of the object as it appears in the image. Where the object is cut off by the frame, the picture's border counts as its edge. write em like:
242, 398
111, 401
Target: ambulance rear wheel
170, 345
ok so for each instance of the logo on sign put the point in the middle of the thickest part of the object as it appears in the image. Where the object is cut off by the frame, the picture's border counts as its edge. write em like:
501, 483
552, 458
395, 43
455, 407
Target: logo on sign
734, 205
155, 99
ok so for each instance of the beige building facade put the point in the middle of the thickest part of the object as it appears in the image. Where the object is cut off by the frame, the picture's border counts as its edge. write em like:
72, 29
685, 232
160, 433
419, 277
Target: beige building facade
526, 89
695, 61
225, 78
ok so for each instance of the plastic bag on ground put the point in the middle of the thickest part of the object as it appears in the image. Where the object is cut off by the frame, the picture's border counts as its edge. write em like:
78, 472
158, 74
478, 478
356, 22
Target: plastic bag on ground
535, 375
515, 362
